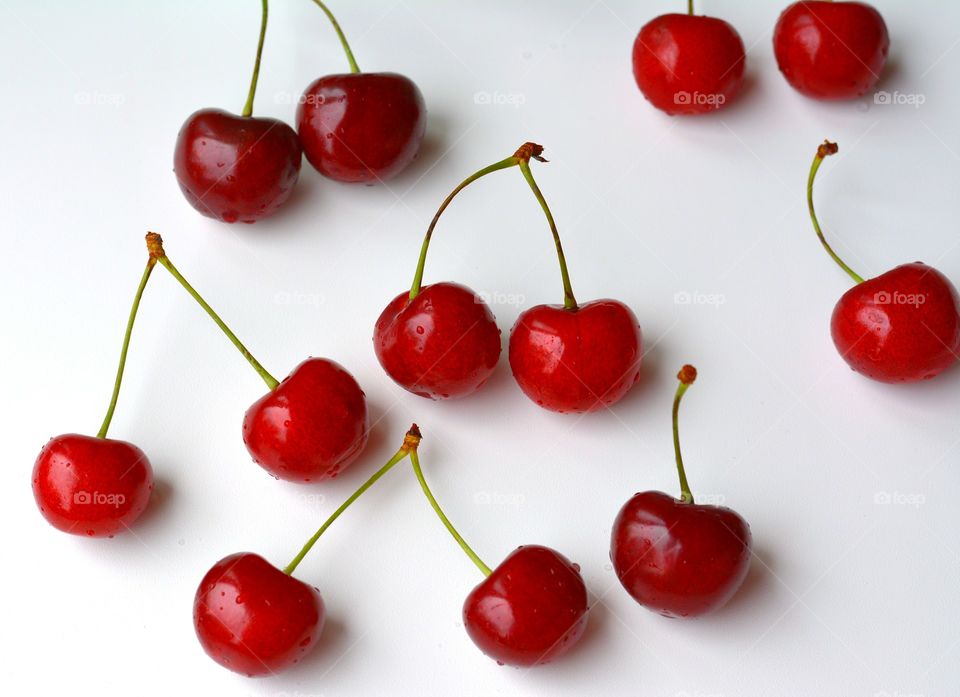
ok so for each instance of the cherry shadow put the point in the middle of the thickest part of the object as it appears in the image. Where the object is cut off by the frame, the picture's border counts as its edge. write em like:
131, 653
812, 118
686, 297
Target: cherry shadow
759, 581
322, 658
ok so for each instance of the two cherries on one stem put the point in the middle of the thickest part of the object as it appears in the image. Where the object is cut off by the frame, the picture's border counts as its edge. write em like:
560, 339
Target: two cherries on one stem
308, 427
353, 127
256, 619
441, 341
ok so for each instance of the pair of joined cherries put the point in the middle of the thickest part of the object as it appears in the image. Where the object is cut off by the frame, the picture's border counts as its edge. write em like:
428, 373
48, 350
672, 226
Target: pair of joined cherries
673, 556
353, 127
441, 341
690, 64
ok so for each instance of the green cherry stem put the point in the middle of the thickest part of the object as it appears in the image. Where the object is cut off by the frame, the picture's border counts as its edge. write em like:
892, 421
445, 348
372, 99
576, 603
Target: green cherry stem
690, 7
569, 301
248, 107
102, 433
415, 462
823, 151
155, 247
409, 447
421, 262
354, 68
686, 376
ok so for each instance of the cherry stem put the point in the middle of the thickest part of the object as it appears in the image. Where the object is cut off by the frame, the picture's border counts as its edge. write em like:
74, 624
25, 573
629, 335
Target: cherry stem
686, 376
410, 442
415, 461
248, 107
418, 276
689, 7
354, 68
823, 151
102, 433
155, 246
569, 301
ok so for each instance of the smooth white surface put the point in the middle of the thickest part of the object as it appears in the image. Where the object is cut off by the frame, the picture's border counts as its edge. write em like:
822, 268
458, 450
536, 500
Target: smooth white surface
847, 596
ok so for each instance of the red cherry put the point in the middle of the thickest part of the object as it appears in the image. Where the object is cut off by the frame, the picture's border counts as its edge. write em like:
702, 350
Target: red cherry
674, 556
236, 168
903, 325
686, 64
576, 360
530, 610
311, 426
91, 486
254, 619
831, 50
442, 344
361, 127
308, 427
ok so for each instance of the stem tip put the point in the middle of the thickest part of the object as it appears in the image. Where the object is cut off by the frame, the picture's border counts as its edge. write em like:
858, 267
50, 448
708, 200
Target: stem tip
155, 245
687, 374
827, 149
529, 150
412, 439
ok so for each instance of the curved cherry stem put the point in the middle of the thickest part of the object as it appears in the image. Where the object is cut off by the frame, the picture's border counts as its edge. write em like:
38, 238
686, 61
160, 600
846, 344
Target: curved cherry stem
415, 461
409, 447
102, 433
421, 262
248, 107
569, 301
825, 150
686, 376
343, 39
155, 246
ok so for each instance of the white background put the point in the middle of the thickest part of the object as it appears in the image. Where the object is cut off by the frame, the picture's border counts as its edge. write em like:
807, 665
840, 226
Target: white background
846, 596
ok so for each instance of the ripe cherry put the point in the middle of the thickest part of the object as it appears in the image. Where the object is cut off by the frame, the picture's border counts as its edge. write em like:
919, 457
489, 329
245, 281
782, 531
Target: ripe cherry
530, 609
570, 357
903, 325
688, 64
360, 127
674, 556
233, 167
255, 619
307, 428
95, 486
831, 50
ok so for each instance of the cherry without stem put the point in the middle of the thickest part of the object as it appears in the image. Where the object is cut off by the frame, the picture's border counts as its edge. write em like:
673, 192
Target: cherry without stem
903, 325
688, 64
530, 609
674, 556
310, 426
360, 127
99, 486
255, 619
237, 168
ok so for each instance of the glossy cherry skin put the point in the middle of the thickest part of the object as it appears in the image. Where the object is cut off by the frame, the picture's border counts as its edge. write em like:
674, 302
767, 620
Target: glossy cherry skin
831, 50
311, 427
361, 127
442, 345
688, 64
902, 326
679, 559
254, 619
236, 168
91, 486
576, 360
530, 610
